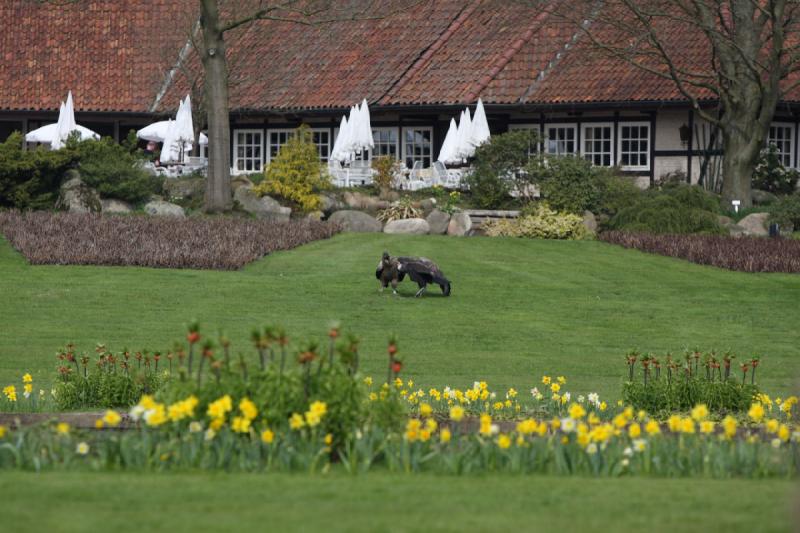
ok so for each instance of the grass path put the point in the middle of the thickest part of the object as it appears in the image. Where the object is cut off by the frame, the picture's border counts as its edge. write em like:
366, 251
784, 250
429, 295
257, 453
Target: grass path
519, 308
381, 502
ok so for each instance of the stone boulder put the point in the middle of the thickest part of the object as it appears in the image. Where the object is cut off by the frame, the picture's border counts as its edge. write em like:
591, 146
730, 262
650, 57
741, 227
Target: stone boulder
437, 222
356, 200
427, 205
763, 197
330, 203
241, 181
77, 197
460, 225
116, 206
356, 221
264, 208
184, 188
755, 224
407, 226
590, 221
735, 230
161, 208
724, 221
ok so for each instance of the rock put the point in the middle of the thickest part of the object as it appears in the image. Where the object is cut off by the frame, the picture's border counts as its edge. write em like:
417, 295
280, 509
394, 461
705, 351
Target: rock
392, 196
115, 206
315, 215
330, 203
264, 208
755, 224
735, 230
408, 226
356, 221
185, 188
77, 197
162, 208
438, 221
427, 205
724, 221
460, 225
590, 221
241, 181
356, 200
763, 197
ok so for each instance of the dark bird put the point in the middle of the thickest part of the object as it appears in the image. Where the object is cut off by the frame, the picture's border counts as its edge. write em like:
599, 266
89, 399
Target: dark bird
392, 270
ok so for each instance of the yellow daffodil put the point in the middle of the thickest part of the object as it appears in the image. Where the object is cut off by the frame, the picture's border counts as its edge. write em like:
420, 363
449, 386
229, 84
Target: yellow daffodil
444, 436
296, 421
700, 412
545, 380
62, 428
368, 381
456, 413
27, 378
729, 425
577, 411
3, 431
240, 424
267, 436
485, 425
707, 427
425, 410
248, 409
756, 412
503, 441
634, 430
652, 428
111, 418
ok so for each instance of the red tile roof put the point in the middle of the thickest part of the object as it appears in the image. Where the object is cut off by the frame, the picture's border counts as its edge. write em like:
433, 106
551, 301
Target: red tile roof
114, 56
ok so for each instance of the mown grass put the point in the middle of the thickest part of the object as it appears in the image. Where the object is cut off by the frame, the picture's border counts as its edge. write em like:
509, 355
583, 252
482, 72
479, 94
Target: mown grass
520, 308
378, 502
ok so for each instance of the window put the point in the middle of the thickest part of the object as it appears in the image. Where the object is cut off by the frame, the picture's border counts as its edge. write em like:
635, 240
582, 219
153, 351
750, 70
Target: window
320, 136
780, 136
534, 148
385, 141
597, 142
634, 145
247, 155
561, 139
418, 146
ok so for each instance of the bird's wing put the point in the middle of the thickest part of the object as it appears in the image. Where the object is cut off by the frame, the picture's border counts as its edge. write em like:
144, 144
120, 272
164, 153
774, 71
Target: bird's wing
379, 270
419, 269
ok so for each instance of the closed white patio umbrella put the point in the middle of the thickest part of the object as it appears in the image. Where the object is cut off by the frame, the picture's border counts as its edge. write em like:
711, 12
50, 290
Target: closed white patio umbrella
480, 127
180, 134
339, 153
446, 154
56, 134
464, 148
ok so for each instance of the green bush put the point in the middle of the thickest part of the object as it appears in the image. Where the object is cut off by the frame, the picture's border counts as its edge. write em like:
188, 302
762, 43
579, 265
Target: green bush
786, 211
296, 174
691, 196
682, 394
616, 193
665, 213
29, 179
113, 170
497, 169
539, 222
770, 174
568, 183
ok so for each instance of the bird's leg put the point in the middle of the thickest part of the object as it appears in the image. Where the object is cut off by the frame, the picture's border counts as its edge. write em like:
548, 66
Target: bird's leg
421, 291
394, 287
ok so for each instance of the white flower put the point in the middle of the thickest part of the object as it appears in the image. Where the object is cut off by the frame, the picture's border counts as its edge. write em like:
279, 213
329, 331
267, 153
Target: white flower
41, 393
493, 396
476, 386
581, 398
195, 427
210, 434
567, 396
591, 449
136, 412
53, 393
82, 448
796, 436
625, 463
535, 392
495, 429
639, 445
26, 394
627, 452
594, 398
567, 425
776, 443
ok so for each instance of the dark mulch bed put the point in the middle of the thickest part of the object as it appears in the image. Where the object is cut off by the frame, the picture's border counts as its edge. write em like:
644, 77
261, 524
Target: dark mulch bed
220, 243
745, 254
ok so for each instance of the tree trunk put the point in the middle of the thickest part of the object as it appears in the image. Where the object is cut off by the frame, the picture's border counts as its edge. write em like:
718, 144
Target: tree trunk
738, 165
218, 184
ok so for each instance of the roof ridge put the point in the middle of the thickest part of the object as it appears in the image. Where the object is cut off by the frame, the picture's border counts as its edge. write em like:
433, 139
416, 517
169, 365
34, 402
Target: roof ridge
170, 76
551, 65
506, 57
428, 53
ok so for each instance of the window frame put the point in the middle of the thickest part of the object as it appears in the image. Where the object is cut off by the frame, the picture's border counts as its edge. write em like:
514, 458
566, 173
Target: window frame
787, 126
635, 123
565, 125
534, 127
236, 132
289, 131
406, 144
583, 152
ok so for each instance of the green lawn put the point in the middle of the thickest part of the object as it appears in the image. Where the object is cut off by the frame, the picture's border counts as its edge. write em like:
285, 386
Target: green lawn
379, 502
520, 308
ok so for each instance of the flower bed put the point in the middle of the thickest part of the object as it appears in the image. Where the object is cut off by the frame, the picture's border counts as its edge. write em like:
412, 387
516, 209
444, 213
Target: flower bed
310, 409
745, 254
222, 243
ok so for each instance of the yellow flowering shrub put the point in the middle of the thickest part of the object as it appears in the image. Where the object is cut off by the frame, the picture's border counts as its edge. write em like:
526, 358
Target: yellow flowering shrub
296, 173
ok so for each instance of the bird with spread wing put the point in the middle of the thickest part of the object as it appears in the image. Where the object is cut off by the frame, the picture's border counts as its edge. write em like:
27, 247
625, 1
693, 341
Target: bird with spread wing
392, 270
